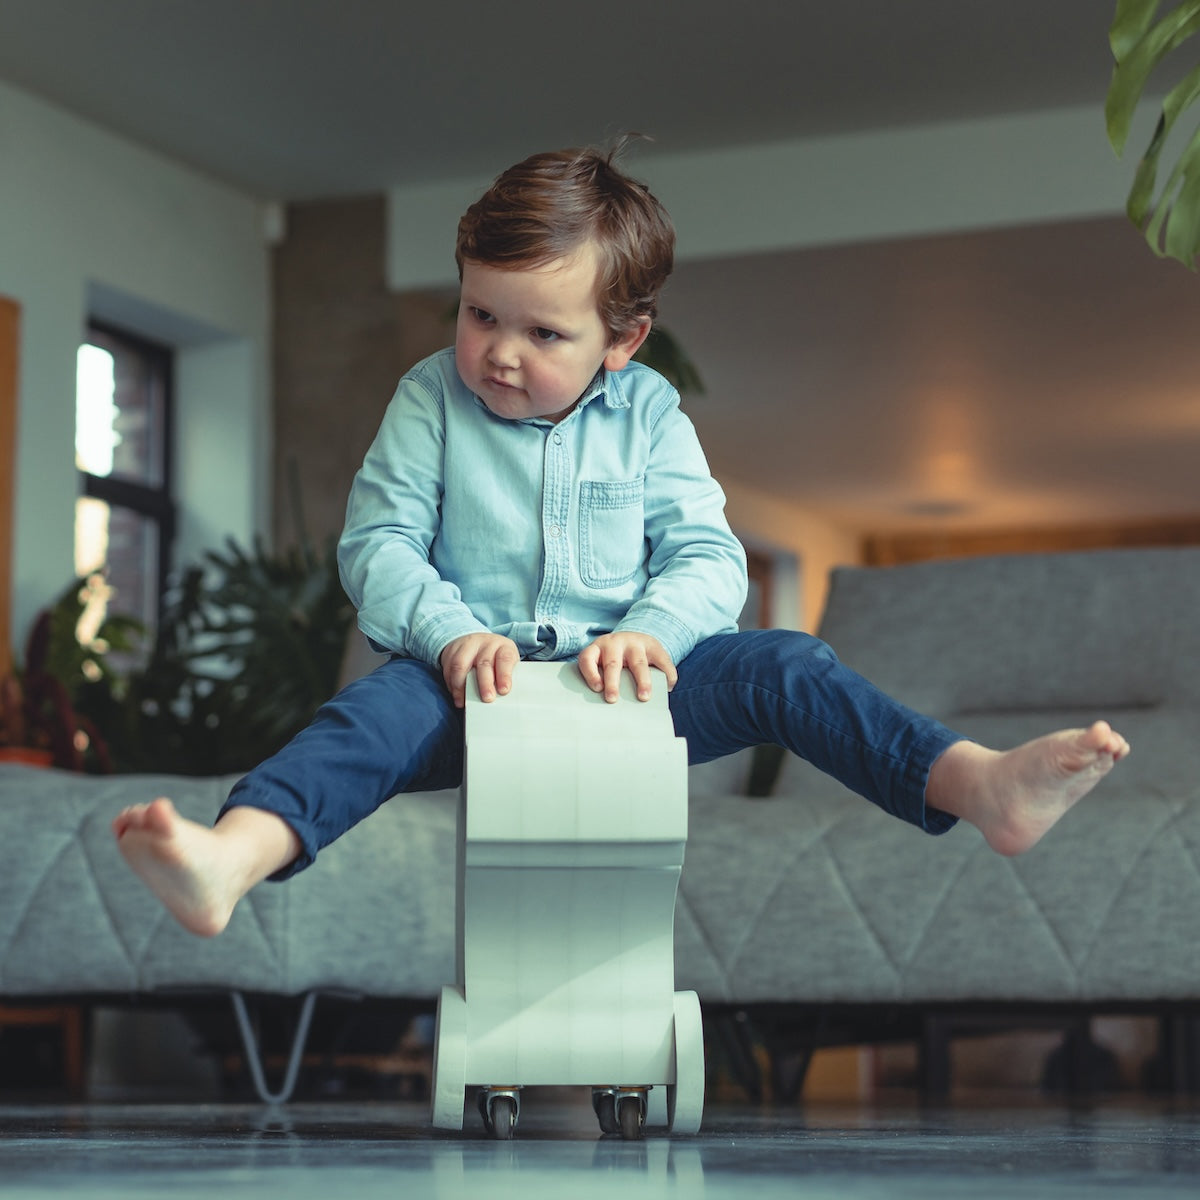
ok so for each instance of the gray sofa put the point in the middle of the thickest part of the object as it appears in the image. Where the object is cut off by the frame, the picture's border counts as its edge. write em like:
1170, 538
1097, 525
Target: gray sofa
805, 904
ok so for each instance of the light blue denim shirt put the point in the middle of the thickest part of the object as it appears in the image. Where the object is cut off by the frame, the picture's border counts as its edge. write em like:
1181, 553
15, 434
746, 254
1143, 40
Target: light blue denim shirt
550, 534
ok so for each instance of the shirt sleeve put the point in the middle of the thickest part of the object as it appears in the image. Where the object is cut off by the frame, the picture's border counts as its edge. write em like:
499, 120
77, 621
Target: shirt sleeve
392, 518
697, 583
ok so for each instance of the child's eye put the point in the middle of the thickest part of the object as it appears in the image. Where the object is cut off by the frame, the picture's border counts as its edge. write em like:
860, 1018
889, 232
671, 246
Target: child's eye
481, 315
545, 335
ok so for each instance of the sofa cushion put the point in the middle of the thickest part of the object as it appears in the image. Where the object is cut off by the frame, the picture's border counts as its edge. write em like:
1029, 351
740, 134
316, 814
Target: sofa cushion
375, 915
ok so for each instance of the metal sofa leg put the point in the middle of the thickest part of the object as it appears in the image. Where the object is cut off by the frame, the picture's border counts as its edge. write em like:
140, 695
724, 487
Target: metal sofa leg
732, 1030
254, 1055
934, 1058
1178, 1057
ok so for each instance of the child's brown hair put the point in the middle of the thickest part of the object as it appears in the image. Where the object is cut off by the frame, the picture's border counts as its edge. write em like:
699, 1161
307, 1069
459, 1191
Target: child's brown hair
546, 207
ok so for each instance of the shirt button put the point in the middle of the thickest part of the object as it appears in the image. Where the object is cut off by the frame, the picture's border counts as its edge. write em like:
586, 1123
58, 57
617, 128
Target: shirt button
555, 531
558, 439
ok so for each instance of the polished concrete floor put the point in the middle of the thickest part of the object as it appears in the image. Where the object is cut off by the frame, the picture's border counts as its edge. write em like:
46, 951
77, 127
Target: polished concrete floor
361, 1150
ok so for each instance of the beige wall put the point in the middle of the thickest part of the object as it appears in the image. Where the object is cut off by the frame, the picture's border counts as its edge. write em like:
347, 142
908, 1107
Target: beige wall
818, 546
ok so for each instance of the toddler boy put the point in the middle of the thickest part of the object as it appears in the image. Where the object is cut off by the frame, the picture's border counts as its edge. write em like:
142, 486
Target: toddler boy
534, 494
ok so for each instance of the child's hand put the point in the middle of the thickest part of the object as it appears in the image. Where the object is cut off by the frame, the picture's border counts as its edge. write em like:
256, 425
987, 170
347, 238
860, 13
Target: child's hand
489, 655
602, 662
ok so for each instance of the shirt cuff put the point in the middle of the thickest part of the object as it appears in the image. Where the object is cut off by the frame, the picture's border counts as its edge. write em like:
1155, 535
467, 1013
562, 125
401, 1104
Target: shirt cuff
676, 638
434, 634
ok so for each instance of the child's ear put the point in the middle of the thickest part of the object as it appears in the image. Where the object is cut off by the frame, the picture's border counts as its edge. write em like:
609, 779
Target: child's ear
627, 345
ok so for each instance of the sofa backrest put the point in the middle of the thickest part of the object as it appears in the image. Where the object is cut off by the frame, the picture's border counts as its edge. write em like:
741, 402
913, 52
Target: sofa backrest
1111, 630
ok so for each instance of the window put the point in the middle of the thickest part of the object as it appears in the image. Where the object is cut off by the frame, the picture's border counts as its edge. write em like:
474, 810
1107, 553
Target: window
124, 518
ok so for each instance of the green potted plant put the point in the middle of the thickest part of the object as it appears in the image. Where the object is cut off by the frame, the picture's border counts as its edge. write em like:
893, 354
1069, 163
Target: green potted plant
250, 643
40, 722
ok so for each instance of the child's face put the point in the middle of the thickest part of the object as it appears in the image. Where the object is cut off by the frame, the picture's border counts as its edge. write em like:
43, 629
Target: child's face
530, 340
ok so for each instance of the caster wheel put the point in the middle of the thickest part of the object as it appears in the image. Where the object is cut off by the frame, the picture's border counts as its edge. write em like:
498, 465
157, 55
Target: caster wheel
503, 1122
631, 1117
499, 1110
604, 1102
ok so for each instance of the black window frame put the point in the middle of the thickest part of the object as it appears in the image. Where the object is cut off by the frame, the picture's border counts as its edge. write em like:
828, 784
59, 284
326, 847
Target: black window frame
153, 502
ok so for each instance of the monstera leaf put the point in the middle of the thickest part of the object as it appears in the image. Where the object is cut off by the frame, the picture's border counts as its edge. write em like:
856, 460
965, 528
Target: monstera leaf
1168, 216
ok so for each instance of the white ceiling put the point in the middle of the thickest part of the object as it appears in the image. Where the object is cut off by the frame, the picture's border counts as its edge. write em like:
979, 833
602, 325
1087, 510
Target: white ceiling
1036, 375
308, 98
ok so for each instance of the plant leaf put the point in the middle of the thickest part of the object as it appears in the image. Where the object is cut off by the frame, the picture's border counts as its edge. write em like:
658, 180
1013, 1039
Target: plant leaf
1133, 69
1173, 213
1183, 225
1140, 203
1129, 25
1141, 194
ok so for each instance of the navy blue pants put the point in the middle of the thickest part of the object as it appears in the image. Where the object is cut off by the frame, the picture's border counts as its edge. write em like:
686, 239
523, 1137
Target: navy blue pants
396, 730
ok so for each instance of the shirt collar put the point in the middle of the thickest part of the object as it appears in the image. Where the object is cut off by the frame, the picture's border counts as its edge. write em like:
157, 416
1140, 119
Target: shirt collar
606, 386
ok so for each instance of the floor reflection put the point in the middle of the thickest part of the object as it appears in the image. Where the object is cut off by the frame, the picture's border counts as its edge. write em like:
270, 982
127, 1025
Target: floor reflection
376, 1149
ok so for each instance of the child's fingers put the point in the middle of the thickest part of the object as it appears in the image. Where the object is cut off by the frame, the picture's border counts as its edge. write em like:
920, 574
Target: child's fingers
453, 681
504, 664
456, 664
658, 657
485, 678
642, 669
588, 664
612, 679
494, 665
458, 690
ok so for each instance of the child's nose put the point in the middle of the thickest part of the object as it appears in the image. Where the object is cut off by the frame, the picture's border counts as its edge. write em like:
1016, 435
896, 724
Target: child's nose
502, 351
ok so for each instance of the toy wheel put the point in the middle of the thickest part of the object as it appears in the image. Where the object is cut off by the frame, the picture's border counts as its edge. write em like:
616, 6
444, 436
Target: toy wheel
450, 1060
631, 1117
685, 1098
604, 1102
502, 1119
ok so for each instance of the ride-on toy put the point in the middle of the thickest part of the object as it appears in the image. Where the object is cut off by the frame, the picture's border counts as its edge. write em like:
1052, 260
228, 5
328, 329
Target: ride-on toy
571, 833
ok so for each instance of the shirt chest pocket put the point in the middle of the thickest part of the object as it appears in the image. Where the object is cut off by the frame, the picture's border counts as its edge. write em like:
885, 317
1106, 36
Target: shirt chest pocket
612, 531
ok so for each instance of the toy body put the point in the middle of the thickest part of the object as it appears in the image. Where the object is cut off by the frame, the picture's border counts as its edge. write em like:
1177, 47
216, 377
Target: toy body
571, 835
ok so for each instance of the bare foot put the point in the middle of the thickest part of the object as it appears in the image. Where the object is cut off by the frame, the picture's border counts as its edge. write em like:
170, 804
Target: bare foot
1015, 796
198, 872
